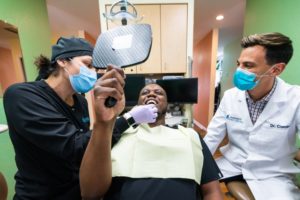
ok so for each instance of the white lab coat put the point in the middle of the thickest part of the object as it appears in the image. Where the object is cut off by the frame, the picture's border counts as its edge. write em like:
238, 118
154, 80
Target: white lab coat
261, 151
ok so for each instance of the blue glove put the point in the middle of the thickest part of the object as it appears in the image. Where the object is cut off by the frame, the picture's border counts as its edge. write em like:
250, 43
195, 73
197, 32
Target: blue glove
144, 113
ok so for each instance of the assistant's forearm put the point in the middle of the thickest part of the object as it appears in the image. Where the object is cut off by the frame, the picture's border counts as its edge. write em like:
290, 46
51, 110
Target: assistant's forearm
95, 170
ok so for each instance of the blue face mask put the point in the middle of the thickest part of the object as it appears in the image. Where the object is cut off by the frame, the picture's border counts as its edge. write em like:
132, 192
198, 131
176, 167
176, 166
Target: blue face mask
84, 81
244, 80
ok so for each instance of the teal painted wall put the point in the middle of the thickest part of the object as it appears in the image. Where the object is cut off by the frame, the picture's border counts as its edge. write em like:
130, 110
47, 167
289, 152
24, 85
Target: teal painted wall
277, 16
31, 18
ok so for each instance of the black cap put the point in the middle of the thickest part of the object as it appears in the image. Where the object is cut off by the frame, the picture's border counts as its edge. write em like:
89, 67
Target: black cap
70, 47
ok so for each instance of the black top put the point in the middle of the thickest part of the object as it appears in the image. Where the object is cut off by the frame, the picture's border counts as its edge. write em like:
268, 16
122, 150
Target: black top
49, 138
125, 188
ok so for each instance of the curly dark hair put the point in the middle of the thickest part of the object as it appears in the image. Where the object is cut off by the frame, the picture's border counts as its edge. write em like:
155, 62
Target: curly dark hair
45, 67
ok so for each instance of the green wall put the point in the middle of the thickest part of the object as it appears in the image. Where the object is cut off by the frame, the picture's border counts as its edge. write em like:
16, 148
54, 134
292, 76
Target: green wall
277, 16
31, 18
231, 54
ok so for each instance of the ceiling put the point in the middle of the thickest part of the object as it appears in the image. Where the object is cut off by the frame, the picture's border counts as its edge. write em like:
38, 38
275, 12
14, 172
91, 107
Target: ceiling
69, 16
231, 28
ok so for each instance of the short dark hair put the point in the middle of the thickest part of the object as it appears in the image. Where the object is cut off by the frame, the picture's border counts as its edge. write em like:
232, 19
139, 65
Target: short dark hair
278, 46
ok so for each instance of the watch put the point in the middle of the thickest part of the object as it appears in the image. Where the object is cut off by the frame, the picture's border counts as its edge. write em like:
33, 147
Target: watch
129, 119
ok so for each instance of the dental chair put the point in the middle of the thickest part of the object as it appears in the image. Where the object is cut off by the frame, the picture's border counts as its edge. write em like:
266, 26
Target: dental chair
3, 188
297, 162
239, 190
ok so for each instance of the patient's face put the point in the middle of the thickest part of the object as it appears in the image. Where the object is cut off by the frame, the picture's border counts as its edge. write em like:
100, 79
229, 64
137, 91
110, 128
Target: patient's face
154, 94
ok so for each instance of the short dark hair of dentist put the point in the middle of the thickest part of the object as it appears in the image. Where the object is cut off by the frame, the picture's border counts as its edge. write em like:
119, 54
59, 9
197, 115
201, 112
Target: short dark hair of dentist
278, 46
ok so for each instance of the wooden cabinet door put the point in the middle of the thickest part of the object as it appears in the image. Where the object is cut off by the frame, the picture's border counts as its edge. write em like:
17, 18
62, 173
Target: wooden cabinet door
174, 38
151, 15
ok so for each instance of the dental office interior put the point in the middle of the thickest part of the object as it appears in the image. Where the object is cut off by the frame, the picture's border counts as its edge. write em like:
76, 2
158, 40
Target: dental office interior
188, 42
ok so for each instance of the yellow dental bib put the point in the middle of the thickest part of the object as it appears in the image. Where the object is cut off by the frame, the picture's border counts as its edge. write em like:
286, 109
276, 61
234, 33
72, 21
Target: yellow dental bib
159, 152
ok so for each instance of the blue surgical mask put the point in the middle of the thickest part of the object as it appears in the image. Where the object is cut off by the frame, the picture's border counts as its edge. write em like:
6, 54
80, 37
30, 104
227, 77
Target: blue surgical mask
244, 80
84, 81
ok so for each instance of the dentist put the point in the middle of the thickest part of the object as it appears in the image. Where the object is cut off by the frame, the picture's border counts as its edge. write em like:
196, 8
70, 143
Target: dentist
261, 117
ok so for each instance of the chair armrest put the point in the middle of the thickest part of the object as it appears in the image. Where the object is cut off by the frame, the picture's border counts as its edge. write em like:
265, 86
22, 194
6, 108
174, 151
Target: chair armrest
240, 190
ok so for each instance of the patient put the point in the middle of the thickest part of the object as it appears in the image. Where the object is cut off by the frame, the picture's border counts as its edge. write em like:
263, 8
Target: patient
152, 161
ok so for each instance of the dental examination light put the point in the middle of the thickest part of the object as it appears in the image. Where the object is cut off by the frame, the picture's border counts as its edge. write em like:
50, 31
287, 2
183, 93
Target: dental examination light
122, 11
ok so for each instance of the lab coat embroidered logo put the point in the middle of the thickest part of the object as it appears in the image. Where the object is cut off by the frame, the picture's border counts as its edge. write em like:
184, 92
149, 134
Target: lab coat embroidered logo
234, 119
278, 126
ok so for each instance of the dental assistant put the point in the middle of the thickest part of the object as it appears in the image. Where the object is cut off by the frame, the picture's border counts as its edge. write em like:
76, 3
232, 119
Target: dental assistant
49, 122
261, 117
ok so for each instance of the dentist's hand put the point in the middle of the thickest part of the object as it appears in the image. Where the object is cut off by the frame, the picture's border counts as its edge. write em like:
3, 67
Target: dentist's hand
144, 113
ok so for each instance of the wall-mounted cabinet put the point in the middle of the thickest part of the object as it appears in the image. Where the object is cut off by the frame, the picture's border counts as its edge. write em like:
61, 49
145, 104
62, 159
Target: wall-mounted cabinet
151, 15
169, 32
174, 38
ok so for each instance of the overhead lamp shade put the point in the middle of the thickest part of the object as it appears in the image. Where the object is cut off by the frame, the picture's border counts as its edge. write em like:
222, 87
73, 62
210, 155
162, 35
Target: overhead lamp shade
122, 10
122, 14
